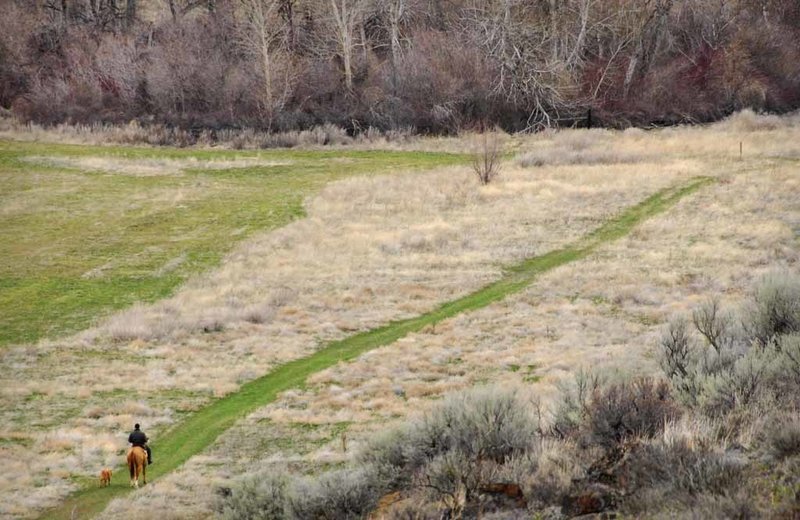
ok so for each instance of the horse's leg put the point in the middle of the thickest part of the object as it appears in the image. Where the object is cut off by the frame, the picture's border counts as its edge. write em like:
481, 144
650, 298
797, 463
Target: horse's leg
132, 469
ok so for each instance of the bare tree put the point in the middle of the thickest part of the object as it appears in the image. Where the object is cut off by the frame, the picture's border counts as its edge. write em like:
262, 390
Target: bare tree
263, 34
527, 77
345, 15
395, 12
486, 158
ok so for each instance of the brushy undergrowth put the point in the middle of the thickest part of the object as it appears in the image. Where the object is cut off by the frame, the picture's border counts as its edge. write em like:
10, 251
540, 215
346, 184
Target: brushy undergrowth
718, 437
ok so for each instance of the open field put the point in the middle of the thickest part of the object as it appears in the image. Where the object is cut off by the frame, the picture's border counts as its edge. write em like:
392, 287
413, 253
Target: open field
86, 230
200, 429
604, 312
385, 248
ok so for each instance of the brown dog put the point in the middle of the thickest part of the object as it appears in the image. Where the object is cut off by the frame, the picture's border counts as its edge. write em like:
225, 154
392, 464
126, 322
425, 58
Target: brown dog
105, 477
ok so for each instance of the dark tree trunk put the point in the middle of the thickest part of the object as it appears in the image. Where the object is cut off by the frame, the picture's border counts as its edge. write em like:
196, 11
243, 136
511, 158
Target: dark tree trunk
130, 12
173, 10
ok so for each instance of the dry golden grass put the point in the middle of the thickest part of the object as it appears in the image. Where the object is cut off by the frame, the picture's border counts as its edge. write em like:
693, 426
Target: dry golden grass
376, 249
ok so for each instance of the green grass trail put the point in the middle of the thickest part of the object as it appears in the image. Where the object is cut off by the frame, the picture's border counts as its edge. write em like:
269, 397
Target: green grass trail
78, 242
198, 431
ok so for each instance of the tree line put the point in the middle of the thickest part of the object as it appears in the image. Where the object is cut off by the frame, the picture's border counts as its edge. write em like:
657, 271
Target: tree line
438, 66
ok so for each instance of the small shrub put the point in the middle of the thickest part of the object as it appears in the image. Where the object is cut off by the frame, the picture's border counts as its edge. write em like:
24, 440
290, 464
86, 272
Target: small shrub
782, 437
545, 473
676, 349
632, 409
389, 454
258, 497
137, 323
722, 391
258, 313
338, 495
776, 309
789, 348
713, 324
676, 467
725, 507
570, 411
453, 478
486, 159
456, 447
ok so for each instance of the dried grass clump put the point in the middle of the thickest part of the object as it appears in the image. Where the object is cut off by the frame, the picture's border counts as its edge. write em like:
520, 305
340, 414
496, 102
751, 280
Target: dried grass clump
580, 147
562, 157
135, 323
746, 121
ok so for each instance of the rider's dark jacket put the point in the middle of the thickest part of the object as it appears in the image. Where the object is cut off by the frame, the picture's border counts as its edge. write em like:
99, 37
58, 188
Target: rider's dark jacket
137, 438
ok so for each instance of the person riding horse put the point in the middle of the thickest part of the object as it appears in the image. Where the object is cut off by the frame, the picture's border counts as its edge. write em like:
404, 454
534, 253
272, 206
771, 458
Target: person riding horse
138, 438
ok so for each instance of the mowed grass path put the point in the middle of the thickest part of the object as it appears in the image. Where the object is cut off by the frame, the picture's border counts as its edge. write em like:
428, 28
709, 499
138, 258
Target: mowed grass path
199, 430
85, 230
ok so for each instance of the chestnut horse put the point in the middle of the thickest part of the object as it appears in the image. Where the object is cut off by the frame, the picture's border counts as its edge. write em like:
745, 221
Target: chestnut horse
137, 461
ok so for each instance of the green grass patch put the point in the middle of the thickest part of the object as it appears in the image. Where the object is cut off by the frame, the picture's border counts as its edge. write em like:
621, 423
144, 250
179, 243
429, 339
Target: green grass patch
77, 243
199, 430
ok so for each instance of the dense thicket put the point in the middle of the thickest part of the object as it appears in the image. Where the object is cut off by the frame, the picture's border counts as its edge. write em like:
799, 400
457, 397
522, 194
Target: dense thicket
434, 65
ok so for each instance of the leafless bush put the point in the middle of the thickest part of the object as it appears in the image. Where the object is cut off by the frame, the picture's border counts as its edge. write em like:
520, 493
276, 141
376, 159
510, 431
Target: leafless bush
713, 324
621, 411
486, 159
676, 349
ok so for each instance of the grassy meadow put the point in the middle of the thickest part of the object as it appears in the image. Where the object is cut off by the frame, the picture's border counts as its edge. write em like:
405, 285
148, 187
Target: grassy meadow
90, 229
287, 346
